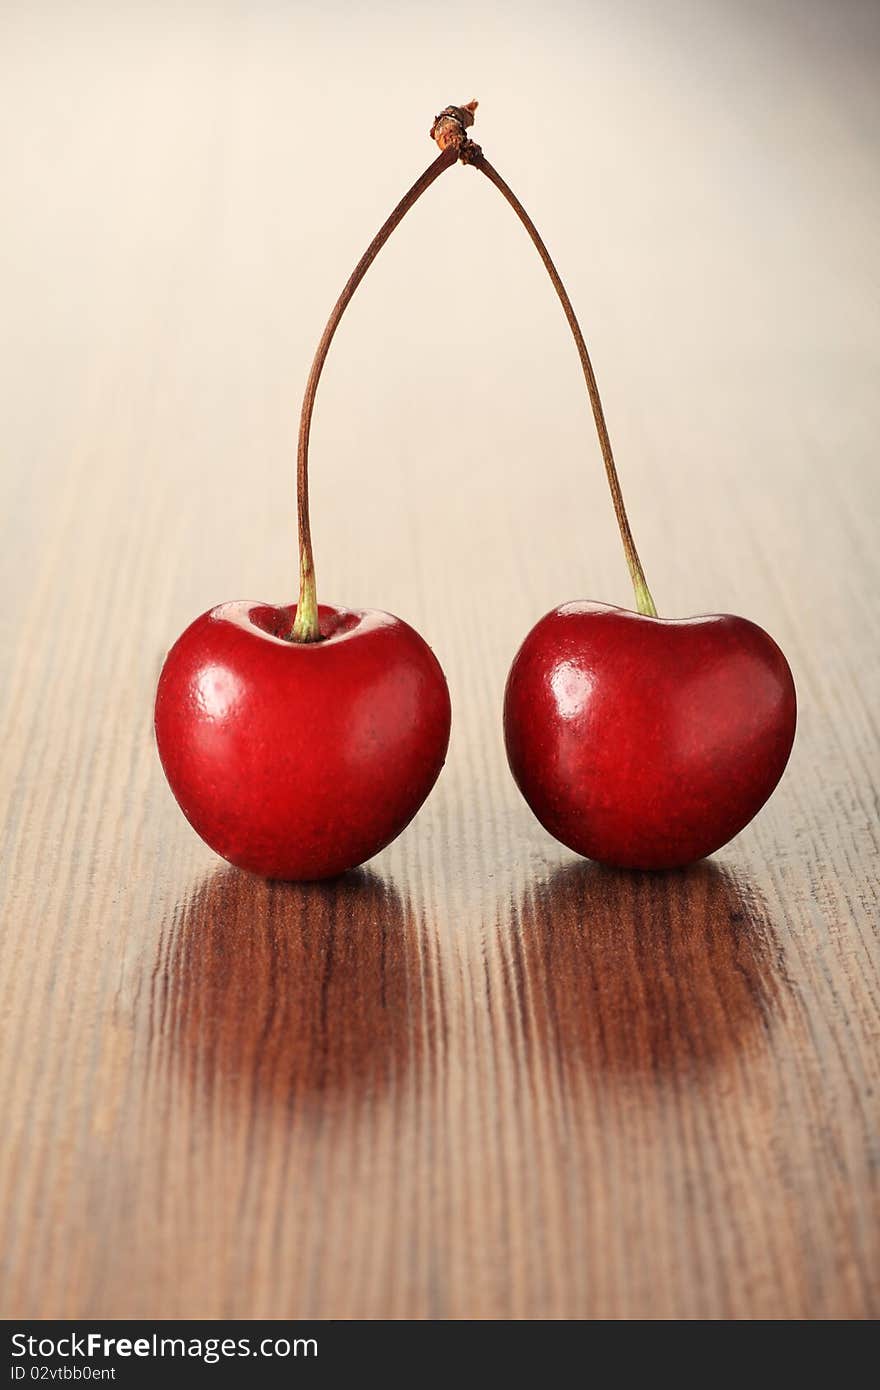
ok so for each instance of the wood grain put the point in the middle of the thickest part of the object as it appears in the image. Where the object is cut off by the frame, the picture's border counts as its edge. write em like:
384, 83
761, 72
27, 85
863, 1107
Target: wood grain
477, 1078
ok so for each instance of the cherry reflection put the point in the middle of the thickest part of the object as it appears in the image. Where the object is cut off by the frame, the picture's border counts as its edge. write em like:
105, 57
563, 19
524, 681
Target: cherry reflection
292, 992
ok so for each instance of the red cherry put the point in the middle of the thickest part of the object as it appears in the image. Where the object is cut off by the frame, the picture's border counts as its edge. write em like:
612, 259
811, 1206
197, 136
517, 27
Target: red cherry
300, 740
300, 760
645, 742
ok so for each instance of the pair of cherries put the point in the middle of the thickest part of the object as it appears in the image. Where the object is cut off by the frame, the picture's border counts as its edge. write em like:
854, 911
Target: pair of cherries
300, 740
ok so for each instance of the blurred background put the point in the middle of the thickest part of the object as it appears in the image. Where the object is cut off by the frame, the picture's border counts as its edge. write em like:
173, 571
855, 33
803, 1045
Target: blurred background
187, 187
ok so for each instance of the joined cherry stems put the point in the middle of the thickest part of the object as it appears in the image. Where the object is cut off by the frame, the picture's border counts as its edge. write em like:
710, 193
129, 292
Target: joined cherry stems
450, 132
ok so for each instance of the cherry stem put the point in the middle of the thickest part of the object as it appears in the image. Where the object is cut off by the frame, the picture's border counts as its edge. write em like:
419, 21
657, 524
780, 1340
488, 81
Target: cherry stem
306, 626
472, 154
449, 131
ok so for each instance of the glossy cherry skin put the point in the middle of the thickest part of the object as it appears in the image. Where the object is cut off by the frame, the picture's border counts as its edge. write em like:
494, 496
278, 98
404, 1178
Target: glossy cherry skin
300, 760
644, 742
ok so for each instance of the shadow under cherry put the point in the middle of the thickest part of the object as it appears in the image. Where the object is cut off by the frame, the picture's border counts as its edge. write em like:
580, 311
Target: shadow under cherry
633, 973
291, 993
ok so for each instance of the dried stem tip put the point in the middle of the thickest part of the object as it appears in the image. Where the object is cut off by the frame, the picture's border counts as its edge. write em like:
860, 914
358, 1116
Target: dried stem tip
450, 126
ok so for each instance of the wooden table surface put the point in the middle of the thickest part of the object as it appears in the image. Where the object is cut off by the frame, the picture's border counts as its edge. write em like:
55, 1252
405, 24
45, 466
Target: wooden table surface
479, 1077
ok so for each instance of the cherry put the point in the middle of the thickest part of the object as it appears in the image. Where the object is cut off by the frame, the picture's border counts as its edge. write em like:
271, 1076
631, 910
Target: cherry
300, 739
638, 741
647, 743
300, 760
